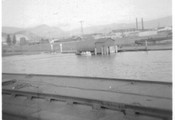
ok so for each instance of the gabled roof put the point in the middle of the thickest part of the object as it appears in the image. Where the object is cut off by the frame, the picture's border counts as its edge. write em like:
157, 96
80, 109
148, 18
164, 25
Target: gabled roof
103, 40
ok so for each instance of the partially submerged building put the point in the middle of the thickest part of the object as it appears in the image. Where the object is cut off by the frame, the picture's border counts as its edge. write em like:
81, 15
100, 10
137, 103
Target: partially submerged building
105, 46
102, 46
95, 46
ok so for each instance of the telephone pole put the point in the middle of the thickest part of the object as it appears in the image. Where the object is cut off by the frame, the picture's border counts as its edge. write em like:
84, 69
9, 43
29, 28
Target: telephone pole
142, 24
81, 22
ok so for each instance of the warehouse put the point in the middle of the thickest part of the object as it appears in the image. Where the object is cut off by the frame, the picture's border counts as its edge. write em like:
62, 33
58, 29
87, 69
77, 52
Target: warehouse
102, 46
105, 46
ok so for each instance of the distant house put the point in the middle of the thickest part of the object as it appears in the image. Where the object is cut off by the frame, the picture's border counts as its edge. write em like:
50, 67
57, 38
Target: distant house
147, 33
122, 33
105, 46
21, 38
133, 34
99, 35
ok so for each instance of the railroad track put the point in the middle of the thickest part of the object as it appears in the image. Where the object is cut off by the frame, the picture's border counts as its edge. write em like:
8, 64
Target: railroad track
125, 108
85, 78
96, 104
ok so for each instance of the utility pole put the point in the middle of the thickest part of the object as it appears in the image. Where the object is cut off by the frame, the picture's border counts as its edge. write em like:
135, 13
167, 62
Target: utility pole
142, 24
81, 22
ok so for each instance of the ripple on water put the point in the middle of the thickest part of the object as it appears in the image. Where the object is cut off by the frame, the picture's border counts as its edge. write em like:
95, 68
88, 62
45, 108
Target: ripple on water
153, 65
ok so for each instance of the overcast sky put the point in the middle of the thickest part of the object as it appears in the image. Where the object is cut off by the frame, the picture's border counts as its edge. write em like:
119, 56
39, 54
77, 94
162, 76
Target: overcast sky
68, 13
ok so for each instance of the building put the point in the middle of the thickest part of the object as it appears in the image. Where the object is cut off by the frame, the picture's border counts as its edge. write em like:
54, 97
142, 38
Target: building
147, 33
102, 46
105, 46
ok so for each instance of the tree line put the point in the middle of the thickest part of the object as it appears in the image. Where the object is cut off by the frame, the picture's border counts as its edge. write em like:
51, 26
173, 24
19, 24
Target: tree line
11, 41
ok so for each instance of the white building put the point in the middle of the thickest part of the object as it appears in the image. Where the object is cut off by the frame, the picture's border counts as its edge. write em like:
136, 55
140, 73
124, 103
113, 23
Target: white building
147, 33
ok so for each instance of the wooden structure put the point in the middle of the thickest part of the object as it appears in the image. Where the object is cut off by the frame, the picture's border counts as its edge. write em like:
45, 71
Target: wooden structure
102, 46
105, 46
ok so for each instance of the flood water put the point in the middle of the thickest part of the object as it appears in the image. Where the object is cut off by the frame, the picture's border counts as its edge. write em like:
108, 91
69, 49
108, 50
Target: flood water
152, 65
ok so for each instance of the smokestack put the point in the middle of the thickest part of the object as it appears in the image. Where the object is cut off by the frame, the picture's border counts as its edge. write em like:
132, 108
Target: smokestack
142, 24
136, 24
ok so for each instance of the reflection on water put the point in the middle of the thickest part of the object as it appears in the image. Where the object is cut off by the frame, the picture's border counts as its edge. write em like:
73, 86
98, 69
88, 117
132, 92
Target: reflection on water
152, 65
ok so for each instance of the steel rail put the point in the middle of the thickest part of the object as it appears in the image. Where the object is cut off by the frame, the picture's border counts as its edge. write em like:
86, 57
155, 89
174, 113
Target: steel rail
96, 104
93, 89
93, 78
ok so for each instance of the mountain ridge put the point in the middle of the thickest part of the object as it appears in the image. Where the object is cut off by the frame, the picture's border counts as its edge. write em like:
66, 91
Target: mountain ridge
45, 31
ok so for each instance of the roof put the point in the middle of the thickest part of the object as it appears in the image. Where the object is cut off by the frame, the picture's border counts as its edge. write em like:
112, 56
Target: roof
103, 40
88, 44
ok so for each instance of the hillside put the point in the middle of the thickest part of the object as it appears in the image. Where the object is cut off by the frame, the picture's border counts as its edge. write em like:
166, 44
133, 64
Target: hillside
30, 35
47, 31
11, 30
41, 31
165, 21
44, 31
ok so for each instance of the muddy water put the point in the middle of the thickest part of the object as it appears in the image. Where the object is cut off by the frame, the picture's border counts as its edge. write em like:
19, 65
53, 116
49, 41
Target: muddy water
152, 65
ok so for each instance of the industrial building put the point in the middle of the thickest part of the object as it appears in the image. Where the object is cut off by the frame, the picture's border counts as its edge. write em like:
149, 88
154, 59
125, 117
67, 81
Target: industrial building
102, 46
105, 46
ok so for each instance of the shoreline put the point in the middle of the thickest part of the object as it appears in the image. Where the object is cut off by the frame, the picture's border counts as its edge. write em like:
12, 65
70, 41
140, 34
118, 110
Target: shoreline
133, 48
